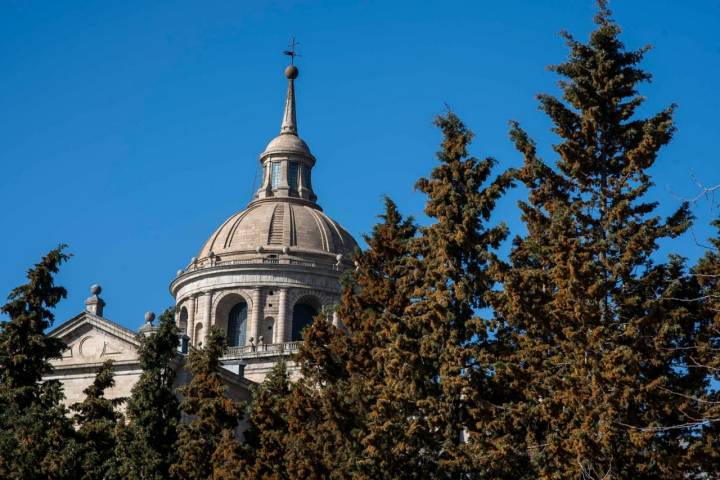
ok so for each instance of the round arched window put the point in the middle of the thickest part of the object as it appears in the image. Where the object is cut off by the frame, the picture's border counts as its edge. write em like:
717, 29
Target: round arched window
303, 315
237, 325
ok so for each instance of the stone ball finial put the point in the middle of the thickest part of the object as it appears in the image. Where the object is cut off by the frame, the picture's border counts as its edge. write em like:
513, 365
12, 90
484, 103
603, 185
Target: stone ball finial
338, 257
95, 289
259, 249
193, 260
149, 317
291, 72
179, 272
286, 250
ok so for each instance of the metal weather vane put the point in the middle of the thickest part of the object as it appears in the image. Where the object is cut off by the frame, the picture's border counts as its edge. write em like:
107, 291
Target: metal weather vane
292, 51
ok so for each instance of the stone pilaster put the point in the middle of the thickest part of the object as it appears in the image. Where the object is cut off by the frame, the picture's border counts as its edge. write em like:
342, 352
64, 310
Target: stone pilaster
283, 322
191, 319
255, 316
207, 317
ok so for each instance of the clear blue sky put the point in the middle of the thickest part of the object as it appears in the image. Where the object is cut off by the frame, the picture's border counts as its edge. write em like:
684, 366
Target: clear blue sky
130, 130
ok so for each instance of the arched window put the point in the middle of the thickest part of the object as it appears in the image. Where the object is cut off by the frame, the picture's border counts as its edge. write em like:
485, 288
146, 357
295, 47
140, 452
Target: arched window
183, 321
293, 176
303, 315
237, 325
306, 176
274, 175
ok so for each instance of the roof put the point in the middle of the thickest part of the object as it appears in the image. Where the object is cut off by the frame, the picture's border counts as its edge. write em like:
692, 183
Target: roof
277, 224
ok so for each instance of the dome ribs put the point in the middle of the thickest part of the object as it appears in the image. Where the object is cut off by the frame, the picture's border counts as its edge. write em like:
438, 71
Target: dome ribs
293, 233
323, 233
277, 226
236, 224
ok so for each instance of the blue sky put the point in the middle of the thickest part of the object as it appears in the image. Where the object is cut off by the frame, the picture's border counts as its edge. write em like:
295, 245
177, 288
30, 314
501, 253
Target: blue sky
130, 130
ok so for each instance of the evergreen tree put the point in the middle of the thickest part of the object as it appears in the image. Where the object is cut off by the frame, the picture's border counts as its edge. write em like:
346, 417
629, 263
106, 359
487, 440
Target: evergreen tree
374, 301
229, 459
267, 434
146, 443
211, 413
595, 338
704, 451
423, 309
36, 435
96, 418
328, 410
316, 420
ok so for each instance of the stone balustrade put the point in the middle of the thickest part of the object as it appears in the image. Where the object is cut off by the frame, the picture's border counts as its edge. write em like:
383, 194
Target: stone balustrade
262, 350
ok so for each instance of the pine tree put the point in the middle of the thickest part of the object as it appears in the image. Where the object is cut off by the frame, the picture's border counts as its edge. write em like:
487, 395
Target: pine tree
704, 447
328, 410
212, 414
595, 338
229, 459
96, 418
36, 435
146, 443
438, 337
316, 420
267, 435
375, 298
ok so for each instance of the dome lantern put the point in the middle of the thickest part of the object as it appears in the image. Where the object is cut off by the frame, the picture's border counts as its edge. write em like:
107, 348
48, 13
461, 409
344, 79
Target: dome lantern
287, 162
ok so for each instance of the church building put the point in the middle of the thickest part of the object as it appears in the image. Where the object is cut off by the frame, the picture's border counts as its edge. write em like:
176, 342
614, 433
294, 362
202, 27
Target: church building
261, 277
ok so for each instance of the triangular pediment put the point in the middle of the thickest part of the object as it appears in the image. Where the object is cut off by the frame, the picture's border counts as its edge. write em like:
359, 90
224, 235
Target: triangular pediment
92, 339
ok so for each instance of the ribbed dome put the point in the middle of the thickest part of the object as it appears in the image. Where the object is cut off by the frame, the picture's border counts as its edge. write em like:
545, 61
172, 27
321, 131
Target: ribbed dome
287, 143
277, 224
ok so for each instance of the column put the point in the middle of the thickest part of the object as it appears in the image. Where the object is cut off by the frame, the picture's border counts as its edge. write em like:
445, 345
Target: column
255, 316
282, 322
208, 320
191, 319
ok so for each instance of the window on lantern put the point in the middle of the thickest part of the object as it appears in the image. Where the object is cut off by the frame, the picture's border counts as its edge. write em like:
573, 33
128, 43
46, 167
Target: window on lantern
306, 177
293, 176
274, 174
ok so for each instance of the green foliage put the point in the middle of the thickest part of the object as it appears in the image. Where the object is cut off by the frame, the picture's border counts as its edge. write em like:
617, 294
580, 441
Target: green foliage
146, 443
443, 355
96, 418
704, 447
212, 415
267, 435
594, 337
36, 436
25, 349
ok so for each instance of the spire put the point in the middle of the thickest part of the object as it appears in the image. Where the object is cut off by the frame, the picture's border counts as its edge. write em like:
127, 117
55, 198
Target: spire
289, 123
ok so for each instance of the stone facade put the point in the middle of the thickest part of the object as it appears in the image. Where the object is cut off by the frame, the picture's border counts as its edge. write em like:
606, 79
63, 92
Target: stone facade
92, 340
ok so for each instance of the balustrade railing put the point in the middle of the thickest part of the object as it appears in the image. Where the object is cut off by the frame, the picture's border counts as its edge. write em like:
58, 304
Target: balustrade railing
263, 350
262, 260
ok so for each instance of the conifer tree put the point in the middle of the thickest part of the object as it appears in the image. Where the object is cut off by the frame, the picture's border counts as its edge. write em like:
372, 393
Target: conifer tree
36, 435
96, 418
267, 434
327, 412
374, 300
211, 412
229, 459
426, 405
595, 338
146, 443
704, 447
316, 420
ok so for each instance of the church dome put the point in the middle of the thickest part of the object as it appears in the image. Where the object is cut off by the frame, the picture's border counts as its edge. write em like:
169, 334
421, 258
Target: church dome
278, 226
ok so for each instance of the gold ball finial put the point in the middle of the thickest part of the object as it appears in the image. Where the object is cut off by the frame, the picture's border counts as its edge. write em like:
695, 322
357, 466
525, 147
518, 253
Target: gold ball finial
291, 72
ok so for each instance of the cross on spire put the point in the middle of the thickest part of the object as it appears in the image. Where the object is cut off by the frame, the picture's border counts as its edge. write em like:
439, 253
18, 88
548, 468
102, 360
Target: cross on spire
292, 51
